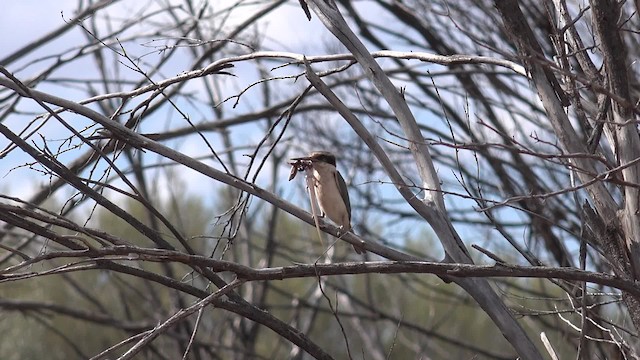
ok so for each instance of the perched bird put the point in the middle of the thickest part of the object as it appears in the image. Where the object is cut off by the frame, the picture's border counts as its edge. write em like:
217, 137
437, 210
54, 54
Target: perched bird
331, 190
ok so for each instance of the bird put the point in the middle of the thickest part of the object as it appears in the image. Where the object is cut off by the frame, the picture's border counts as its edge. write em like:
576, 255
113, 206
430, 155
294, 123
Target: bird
331, 190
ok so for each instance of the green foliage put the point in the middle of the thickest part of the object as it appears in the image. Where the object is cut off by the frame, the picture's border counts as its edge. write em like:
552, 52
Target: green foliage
405, 316
51, 329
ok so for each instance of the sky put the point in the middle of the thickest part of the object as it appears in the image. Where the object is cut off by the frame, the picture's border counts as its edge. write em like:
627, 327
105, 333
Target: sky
17, 176
287, 27
45, 16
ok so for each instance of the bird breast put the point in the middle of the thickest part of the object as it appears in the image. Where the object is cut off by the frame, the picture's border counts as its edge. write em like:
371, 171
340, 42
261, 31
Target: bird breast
328, 195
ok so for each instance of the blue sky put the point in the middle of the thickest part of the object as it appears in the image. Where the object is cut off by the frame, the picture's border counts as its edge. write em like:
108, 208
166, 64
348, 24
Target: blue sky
287, 28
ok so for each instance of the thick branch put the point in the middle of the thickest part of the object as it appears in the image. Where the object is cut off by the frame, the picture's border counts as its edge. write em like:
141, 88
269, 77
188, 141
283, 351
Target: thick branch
432, 207
133, 253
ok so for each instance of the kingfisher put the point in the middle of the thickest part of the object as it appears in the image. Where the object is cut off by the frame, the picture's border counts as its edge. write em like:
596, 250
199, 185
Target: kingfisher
330, 189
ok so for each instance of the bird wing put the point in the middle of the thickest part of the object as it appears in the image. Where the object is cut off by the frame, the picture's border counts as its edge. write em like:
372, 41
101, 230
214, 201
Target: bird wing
344, 193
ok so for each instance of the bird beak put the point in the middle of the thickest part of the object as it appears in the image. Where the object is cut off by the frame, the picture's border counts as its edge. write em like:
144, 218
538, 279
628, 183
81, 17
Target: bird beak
298, 159
299, 164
